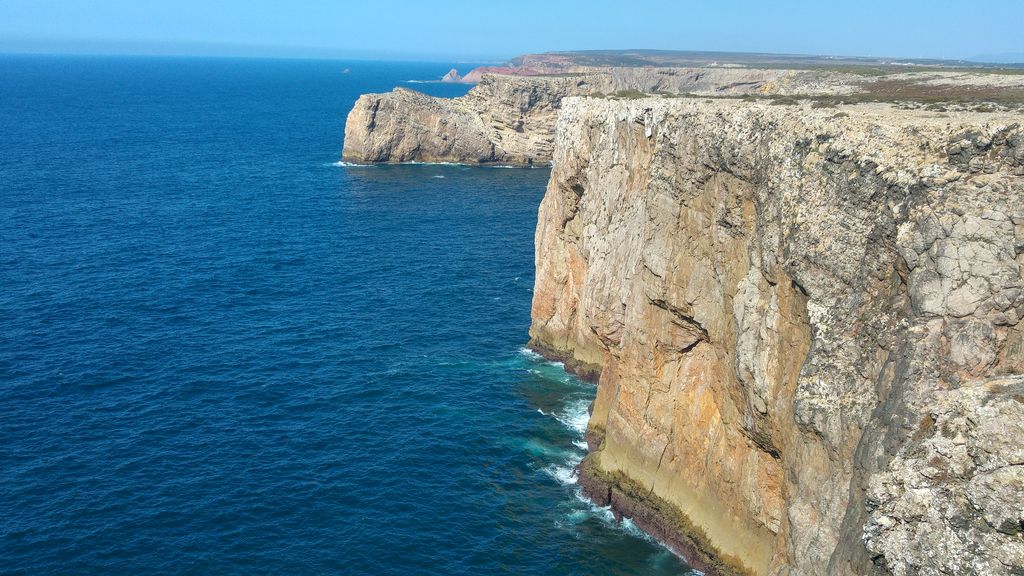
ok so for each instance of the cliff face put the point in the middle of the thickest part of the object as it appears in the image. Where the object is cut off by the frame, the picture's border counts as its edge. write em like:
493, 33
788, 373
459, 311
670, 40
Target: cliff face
502, 120
806, 323
511, 120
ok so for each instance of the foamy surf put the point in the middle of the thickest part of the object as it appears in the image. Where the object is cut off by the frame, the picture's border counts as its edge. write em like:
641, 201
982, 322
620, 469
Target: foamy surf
530, 354
563, 467
344, 164
605, 515
575, 416
564, 475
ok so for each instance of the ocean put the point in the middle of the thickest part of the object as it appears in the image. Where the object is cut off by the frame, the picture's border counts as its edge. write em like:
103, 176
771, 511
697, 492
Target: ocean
221, 352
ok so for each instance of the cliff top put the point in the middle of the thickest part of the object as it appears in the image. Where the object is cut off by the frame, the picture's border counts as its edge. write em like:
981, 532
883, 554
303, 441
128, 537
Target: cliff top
869, 79
685, 58
904, 141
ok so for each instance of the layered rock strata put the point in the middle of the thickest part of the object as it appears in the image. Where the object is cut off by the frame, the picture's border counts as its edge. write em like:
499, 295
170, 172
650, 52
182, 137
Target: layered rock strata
807, 323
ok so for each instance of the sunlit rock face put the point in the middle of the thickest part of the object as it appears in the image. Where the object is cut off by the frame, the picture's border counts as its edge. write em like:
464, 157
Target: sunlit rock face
807, 323
507, 119
502, 120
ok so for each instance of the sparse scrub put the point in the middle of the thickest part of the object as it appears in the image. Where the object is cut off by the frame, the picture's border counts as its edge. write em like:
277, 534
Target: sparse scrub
785, 101
629, 94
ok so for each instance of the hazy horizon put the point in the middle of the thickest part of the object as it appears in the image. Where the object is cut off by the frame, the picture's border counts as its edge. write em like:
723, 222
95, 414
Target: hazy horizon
445, 31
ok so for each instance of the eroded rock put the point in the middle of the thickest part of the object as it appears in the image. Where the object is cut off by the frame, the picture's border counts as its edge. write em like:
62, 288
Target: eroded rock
776, 296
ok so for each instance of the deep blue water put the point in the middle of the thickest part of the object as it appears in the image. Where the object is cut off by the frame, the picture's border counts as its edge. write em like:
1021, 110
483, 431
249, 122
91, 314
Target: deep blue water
222, 354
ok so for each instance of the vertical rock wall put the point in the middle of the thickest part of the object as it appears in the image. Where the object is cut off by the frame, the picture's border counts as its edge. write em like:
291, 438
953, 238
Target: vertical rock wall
776, 298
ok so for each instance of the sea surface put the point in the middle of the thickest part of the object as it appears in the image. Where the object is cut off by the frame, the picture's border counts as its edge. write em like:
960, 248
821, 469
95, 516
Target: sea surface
223, 353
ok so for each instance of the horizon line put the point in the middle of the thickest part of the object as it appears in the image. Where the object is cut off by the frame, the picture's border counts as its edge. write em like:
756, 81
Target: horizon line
37, 46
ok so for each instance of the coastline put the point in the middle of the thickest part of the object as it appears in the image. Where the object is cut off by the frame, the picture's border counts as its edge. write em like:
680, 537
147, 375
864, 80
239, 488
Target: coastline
584, 371
677, 269
352, 164
656, 517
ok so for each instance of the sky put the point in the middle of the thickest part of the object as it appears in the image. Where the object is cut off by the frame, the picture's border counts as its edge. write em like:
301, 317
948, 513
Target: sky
493, 31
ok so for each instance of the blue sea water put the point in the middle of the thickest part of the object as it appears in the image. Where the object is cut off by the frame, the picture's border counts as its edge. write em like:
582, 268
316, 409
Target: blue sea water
221, 353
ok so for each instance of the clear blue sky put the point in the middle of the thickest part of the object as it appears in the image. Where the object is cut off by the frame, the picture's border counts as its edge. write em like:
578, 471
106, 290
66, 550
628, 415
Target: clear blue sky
450, 29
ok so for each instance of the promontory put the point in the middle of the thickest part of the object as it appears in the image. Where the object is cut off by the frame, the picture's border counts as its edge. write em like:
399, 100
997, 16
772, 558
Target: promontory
797, 283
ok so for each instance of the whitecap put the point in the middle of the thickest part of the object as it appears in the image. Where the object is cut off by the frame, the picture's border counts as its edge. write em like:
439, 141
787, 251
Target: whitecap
530, 354
565, 475
575, 416
344, 164
603, 513
578, 516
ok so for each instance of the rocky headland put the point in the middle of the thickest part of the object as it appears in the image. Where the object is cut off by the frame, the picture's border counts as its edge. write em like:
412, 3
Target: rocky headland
509, 119
807, 324
800, 292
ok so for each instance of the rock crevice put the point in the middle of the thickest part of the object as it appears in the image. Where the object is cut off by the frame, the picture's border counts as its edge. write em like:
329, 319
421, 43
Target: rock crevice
775, 296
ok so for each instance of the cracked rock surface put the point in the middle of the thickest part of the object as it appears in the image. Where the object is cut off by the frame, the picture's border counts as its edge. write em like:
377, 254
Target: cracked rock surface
808, 324
951, 503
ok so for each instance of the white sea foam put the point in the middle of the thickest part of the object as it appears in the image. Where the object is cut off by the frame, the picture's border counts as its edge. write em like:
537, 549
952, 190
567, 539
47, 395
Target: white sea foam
530, 354
343, 164
459, 164
438, 176
565, 475
603, 513
627, 525
575, 416
418, 163
578, 516
581, 444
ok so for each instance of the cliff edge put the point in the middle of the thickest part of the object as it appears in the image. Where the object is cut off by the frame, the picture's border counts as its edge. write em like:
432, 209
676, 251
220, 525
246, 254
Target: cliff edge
808, 327
510, 120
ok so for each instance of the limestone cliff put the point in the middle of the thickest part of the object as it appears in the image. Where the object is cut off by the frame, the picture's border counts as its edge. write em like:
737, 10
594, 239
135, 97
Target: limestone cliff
502, 120
807, 323
511, 119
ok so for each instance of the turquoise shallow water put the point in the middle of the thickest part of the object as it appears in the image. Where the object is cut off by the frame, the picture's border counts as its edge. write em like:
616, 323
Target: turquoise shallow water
222, 353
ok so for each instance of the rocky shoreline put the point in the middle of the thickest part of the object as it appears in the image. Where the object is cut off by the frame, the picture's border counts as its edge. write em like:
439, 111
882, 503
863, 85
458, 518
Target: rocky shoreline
805, 318
658, 518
